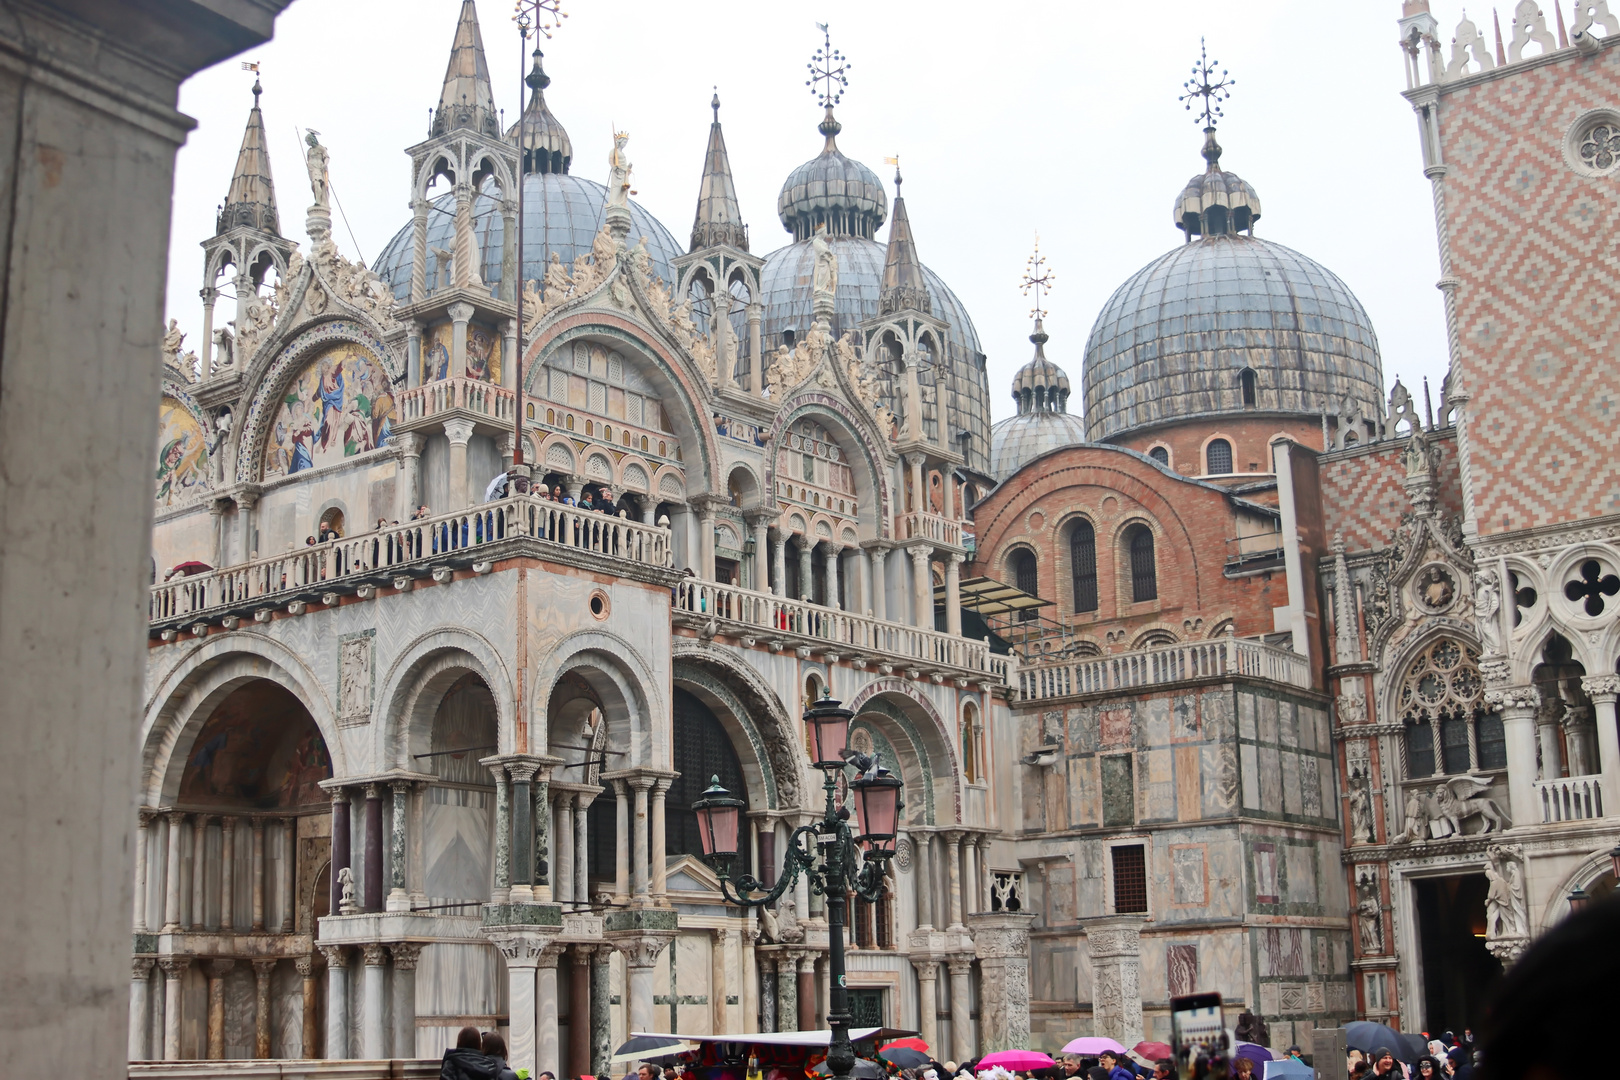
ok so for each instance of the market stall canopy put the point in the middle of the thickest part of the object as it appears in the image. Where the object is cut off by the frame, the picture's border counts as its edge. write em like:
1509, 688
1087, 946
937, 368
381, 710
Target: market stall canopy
822, 1037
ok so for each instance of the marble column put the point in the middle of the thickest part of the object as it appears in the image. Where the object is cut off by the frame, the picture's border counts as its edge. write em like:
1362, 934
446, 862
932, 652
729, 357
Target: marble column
257, 874
398, 898
547, 1057
756, 355
834, 594
174, 972
787, 992
408, 444
659, 870
779, 560
807, 991
374, 849
503, 835
143, 841
1552, 751
459, 432
1115, 947
337, 1002
373, 1034
199, 870
876, 553
706, 539
522, 888
289, 875
545, 869
767, 994
928, 1001
807, 574
311, 1032
922, 844
582, 860
621, 855
760, 566
959, 968
1604, 691
227, 874
601, 1009
922, 588
140, 1006
1518, 705
521, 958
405, 954
953, 887
579, 1011
419, 255
953, 593
986, 877
750, 981
717, 980
262, 971
638, 844
641, 949
563, 847
340, 844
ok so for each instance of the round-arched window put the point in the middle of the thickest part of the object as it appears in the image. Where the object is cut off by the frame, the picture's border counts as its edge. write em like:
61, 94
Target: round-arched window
1218, 457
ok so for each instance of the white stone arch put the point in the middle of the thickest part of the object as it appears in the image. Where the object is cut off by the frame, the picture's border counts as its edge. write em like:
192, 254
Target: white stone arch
553, 449
597, 468
669, 485
429, 169
1592, 638
486, 164
629, 466
933, 776
1584, 873
751, 490
763, 733
869, 465
410, 691
187, 695
633, 705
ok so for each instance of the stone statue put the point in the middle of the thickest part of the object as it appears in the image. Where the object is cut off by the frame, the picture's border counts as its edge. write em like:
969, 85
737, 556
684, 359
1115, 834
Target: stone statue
1487, 602
1461, 797
1252, 1029
1370, 916
825, 283
619, 173
557, 281
1361, 818
224, 345
347, 905
173, 338
317, 162
787, 918
1416, 456
1505, 913
1417, 818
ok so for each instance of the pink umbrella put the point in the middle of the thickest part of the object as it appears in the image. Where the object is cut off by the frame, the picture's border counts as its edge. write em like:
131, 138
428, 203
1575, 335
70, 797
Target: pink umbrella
1092, 1045
1016, 1059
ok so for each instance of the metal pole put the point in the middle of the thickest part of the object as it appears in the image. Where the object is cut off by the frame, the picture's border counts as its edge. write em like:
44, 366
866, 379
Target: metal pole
517, 286
840, 1053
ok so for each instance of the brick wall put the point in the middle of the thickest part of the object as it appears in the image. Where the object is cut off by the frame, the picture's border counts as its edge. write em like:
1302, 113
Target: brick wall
1363, 495
1250, 437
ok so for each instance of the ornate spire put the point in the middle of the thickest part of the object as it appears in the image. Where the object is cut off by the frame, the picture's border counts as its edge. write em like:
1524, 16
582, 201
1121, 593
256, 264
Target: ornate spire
719, 218
1216, 202
904, 287
467, 100
1040, 385
546, 146
251, 201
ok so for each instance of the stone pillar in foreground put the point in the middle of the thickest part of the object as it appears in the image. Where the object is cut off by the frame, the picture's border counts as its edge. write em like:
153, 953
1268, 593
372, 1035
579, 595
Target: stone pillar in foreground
1001, 942
961, 969
1115, 946
405, 954
337, 1002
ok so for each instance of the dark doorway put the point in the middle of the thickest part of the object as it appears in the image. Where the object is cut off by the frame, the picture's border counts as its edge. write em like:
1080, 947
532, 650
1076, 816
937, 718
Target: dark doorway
1459, 973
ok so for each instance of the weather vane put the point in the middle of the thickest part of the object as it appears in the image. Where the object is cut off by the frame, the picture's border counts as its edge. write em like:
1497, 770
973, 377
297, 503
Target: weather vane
1206, 85
1037, 277
543, 16
829, 67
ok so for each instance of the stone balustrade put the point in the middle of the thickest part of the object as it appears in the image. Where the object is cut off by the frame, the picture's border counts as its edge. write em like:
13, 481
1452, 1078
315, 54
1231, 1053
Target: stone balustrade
1569, 798
375, 556
931, 527
764, 615
1181, 662
482, 399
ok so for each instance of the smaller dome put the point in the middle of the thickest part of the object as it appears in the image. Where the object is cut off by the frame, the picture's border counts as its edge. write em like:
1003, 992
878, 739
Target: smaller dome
1215, 201
546, 145
1041, 389
832, 190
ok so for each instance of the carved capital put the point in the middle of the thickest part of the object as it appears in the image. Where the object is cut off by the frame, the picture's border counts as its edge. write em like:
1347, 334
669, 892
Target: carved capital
959, 965
458, 431
1512, 697
140, 967
641, 949
305, 966
337, 956
1601, 687
460, 312
407, 443
174, 966
406, 954
376, 955
551, 954
262, 969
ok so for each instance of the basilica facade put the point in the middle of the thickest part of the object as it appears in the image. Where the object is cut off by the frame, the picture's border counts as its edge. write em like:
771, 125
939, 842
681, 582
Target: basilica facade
472, 568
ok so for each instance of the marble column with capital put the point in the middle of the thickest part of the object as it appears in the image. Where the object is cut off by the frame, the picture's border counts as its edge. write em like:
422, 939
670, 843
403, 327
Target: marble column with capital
460, 314
660, 872
262, 971
960, 967
405, 954
922, 588
779, 558
373, 1032
638, 844
373, 883
408, 445
398, 898
717, 980
140, 1006
521, 958
807, 573
922, 844
621, 855
503, 835
257, 875
227, 874
767, 993
311, 1002
174, 971
834, 592
341, 858
579, 1010
547, 1056
459, 432
953, 593
143, 843
927, 1000
953, 869
1604, 692
522, 849
199, 871
787, 991
582, 857
1518, 707
759, 566
337, 1001
876, 555
562, 888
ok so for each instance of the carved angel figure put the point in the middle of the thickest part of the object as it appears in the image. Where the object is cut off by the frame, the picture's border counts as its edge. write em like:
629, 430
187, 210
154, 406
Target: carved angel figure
1487, 602
557, 283
533, 306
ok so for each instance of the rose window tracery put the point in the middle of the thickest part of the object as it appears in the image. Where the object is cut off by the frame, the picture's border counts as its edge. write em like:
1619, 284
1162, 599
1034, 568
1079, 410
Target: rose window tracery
1600, 149
1440, 699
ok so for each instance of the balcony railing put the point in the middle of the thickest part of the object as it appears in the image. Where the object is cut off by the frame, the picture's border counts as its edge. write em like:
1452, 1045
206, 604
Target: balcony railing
926, 526
418, 544
1159, 665
767, 615
1573, 798
469, 395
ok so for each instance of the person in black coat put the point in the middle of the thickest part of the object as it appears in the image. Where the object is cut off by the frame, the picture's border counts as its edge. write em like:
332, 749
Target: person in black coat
467, 1060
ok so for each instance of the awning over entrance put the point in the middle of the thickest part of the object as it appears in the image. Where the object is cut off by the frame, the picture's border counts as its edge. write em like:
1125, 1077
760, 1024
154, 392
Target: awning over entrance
989, 597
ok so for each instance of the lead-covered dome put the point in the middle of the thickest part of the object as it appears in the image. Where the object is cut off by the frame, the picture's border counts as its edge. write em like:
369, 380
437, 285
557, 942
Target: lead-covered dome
833, 192
1043, 422
1227, 323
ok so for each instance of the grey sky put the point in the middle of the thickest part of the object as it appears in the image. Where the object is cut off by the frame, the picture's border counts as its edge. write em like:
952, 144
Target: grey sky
1009, 119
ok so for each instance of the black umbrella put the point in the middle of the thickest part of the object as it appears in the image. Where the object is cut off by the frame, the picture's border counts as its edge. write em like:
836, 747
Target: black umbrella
1366, 1036
648, 1047
863, 1070
904, 1056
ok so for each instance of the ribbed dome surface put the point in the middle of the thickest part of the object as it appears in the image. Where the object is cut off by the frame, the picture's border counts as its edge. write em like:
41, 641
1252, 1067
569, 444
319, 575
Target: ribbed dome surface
1018, 440
562, 213
832, 190
1173, 341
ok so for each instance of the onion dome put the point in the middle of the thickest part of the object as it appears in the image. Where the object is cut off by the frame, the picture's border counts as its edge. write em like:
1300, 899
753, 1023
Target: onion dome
251, 200
1043, 422
1227, 323
832, 190
719, 216
466, 101
1216, 202
545, 144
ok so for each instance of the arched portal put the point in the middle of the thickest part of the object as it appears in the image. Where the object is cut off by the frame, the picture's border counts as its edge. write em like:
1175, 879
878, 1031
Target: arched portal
703, 751
458, 813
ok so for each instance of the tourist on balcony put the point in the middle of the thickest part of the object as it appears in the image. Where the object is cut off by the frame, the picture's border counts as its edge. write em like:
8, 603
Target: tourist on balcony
605, 502
498, 487
558, 496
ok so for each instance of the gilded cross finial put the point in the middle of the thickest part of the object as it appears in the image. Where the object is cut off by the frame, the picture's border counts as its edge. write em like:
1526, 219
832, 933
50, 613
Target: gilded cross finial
1037, 277
541, 16
829, 68
1211, 83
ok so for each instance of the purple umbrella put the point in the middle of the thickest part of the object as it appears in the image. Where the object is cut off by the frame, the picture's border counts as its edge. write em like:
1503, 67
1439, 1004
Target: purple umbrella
1253, 1052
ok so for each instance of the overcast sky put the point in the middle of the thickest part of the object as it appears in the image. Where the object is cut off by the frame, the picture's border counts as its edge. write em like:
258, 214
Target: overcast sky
1010, 119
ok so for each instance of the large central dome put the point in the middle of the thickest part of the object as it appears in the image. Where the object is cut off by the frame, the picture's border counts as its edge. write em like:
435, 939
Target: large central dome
1227, 323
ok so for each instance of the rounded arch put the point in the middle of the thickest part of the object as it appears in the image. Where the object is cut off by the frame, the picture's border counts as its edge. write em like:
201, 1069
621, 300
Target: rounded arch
911, 719
1217, 454
743, 487
635, 474
1136, 546
1594, 874
188, 694
624, 683
1077, 546
685, 397
857, 439
430, 169
410, 691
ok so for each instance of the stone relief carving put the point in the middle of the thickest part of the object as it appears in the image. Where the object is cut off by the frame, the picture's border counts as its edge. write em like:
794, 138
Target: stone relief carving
1507, 916
354, 679
1487, 602
1461, 798
1369, 913
1361, 813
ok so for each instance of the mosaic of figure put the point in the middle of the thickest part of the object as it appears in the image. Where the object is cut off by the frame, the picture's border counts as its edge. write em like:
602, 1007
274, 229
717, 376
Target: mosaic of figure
342, 405
182, 467
483, 355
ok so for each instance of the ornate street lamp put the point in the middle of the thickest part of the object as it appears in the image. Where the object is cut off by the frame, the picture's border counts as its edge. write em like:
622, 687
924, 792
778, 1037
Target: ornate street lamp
1614, 861
1578, 900
838, 868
